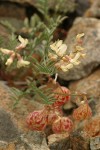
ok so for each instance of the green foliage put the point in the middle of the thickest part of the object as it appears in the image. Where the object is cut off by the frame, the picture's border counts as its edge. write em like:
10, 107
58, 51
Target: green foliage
44, 67
45, 95
40, 35
16, 96
8, 25
42, 6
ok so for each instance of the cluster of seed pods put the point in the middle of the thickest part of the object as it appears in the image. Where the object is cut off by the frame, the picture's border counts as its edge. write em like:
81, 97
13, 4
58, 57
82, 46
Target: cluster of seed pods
52, 115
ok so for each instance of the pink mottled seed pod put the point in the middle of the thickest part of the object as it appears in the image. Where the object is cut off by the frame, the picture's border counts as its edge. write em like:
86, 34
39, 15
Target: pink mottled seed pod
37, 120
62, 94
82, 112
63, 124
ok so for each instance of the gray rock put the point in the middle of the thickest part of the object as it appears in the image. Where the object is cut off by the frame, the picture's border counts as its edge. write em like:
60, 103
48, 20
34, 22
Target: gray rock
89, 85
94, 10
34, 140
91, 42
82, 6
73, 142
8, 130
13, 131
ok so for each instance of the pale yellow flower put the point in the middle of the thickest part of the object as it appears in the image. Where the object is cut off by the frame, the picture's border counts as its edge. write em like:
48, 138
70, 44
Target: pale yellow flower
15, 54
59, 49
10, 60
22, 63
79, 48
83, 55
6, 51
65, 68
78, 37
77, 56
67, 62
23, 42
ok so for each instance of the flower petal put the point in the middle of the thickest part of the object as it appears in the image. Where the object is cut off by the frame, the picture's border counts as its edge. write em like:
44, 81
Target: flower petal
5, 51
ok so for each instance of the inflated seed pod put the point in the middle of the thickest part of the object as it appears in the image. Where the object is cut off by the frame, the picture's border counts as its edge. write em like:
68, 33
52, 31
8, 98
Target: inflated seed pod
62, 124
82, 112
37, 120
62, 95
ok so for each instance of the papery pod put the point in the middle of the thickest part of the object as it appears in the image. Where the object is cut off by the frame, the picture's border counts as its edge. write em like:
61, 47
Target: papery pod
62, 95
62, 124
92, 128
37, 120
82, 112
51, 118
53, 115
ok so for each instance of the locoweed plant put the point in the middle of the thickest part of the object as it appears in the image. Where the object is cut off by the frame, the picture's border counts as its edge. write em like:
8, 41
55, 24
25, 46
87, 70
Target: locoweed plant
37, 52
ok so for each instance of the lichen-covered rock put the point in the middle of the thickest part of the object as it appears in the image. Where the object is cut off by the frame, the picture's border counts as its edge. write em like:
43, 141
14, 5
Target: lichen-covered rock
27, 141
91, 28
34, 140
73, 142
95, 143
3, 145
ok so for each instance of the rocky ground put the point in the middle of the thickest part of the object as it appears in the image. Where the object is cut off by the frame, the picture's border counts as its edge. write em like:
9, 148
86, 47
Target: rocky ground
14, 134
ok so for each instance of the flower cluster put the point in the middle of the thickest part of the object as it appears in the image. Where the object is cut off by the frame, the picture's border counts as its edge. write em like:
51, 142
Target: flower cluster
59, 50
15, 54
65, 62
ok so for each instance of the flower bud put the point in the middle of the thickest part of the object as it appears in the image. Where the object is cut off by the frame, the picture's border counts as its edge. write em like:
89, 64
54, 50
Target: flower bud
63, 124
